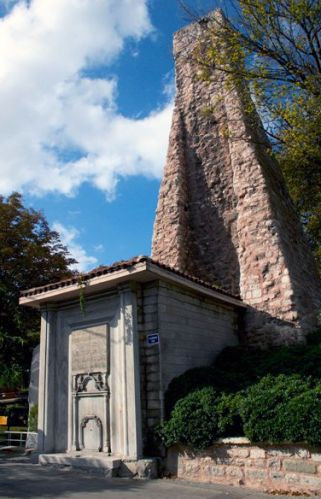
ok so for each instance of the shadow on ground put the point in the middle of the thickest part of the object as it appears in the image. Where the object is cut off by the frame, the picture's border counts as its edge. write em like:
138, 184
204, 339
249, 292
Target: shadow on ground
20, 479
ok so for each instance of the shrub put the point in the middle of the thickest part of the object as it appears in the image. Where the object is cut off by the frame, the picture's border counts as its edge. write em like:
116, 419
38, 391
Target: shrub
282, 408
276, 409
193, 420
237, 368
228, 408
304, 417
271, 396
191, 380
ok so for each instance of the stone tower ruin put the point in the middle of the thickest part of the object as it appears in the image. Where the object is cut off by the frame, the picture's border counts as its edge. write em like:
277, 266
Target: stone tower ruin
224, 214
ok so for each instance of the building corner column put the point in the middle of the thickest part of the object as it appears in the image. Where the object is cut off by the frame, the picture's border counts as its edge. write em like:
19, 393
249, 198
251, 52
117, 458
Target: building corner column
132, 421
46, 398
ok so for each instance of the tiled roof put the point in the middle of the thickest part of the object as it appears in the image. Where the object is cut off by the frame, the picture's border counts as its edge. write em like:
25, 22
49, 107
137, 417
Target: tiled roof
123, 264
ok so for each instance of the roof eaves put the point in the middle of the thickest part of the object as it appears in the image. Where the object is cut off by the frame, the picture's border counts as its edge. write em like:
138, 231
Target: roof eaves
82, 278
123, 265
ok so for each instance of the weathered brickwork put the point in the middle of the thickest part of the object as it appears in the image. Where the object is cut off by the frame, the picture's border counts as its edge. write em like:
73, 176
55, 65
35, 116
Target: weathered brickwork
224, 213
290, 469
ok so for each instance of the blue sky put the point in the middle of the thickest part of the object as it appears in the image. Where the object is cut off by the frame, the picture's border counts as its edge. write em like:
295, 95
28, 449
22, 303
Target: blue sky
86, 96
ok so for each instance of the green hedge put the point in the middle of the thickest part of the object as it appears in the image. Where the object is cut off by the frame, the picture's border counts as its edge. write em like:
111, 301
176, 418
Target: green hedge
276, 409
193, 421
237, 368
228, 410
304, 417
191, 380
268, 396
282, 408
201, 417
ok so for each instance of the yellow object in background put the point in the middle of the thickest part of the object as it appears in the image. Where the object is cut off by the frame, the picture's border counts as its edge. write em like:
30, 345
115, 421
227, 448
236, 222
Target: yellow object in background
3, 420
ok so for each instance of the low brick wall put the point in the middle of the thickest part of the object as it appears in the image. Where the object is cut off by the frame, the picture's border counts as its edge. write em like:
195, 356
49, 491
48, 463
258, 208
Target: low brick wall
234, 461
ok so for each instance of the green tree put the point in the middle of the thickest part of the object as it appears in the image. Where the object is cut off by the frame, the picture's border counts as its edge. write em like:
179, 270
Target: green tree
30, 255
275, 46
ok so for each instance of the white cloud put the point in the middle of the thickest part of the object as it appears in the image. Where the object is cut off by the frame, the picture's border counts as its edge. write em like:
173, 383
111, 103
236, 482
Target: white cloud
58, 128
68, 236
99, 247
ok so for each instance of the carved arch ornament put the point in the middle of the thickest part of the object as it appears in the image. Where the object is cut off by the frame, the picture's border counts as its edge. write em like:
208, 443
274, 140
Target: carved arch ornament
99, 380
83, 425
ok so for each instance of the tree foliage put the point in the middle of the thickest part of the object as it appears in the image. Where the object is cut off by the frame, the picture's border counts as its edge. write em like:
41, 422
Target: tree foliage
275, 46
30, 255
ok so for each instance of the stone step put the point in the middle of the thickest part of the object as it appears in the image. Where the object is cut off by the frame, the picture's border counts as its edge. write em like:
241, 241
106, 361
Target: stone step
107, 465
110, 466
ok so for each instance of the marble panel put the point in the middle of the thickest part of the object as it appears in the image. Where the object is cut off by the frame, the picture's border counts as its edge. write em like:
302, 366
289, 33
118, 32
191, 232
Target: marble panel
89, 349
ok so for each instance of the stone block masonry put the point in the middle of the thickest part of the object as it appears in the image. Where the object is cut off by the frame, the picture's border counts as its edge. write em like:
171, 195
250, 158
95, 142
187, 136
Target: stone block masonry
192, 330
234, 461
224, 213
147, 319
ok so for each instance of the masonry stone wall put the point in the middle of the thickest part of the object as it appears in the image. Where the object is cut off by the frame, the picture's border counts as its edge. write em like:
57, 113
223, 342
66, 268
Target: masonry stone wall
147, 316
224, 213
193, 330
195, 227
280, 469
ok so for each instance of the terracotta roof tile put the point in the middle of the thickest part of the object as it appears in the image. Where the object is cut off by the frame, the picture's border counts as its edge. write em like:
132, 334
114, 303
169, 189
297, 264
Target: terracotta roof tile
122, 264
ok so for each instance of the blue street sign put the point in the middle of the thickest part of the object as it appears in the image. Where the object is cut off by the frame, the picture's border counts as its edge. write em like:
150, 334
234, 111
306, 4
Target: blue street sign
152, 339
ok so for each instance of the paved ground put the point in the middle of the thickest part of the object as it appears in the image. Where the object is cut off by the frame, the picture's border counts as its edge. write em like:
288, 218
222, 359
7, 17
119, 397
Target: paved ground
21, 479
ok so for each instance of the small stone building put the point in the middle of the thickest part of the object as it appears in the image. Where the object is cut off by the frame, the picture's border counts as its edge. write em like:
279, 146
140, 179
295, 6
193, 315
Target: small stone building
110, 345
